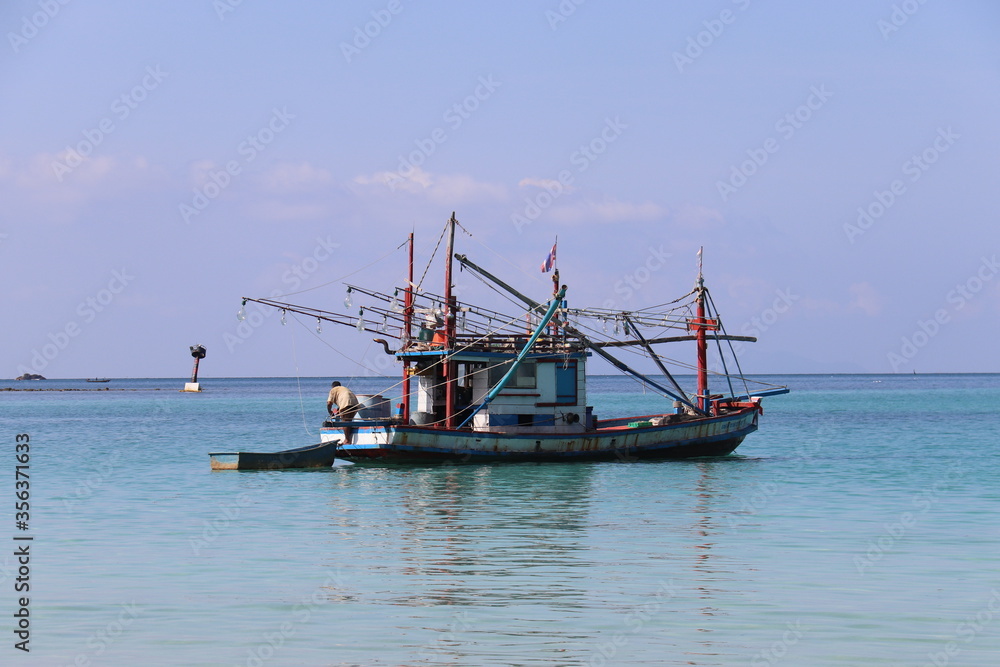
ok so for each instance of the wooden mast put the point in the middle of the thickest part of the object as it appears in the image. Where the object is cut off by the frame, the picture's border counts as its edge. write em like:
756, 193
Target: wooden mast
449, 330
702, 347
701, 324
407, 329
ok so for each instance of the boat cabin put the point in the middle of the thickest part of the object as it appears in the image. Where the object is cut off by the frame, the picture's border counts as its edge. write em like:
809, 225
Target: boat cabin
546, 394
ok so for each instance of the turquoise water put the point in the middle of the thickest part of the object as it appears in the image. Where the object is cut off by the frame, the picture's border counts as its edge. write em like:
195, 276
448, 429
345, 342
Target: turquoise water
859, 526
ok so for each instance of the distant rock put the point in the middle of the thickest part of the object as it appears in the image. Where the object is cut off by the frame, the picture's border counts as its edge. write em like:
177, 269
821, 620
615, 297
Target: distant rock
30, 376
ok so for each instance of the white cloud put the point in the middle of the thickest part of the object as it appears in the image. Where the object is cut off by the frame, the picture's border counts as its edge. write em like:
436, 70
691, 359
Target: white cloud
288, 211
288, 178
448, 189
56, 187
698, 217
59, 172
866, 299
605, 212
201, 171
549, 184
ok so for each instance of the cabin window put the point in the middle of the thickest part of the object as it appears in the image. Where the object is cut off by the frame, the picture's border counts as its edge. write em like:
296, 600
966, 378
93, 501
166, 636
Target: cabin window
524, 378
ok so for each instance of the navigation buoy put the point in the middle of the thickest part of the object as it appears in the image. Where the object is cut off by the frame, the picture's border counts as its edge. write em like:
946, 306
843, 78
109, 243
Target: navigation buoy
198, 352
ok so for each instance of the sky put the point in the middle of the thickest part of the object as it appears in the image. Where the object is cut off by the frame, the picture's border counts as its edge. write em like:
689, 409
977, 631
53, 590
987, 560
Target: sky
161, 160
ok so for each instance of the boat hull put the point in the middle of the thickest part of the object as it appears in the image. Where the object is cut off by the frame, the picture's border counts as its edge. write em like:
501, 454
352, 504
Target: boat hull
321, 455
386, 442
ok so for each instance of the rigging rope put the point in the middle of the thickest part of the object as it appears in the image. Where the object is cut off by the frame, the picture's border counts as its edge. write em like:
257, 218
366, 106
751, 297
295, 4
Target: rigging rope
431, 260
298, 383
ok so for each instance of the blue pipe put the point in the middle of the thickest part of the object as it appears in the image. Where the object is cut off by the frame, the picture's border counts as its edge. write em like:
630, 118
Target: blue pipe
553, 307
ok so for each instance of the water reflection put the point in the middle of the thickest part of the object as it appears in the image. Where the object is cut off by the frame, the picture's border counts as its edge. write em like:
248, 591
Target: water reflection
505, 546
493, 534
547, 562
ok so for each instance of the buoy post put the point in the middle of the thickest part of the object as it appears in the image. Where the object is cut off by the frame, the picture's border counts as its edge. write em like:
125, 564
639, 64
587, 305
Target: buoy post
198, 352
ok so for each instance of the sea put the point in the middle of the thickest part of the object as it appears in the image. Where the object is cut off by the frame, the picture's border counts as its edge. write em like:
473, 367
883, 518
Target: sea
859, 526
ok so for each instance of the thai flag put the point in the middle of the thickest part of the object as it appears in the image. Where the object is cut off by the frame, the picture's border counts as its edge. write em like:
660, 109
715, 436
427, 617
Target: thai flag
550, 261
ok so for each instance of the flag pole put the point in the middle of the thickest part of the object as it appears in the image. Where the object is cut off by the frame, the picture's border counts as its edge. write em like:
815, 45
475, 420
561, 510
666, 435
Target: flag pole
555, 266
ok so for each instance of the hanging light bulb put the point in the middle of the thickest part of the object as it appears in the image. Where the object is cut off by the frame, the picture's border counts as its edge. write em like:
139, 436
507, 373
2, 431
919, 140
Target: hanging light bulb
283, 320
604, 324
394, 304
347, 299
361, 319
241, 314
616, 327
385, 323
319, 326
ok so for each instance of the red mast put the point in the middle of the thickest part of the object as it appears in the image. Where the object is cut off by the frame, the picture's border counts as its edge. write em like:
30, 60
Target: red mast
449, 330
405, 338
702, 348
700, 324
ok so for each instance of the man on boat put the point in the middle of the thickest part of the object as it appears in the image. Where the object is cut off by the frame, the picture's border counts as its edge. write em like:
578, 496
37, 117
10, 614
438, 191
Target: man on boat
347, 406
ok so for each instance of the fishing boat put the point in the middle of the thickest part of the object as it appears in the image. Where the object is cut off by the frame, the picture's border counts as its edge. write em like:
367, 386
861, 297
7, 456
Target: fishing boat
479, 385
98, 380
321, 455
